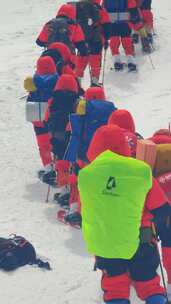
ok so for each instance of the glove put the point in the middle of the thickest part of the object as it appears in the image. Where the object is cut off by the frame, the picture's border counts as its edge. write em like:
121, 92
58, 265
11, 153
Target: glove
146, 235
81, 107
106, 44
142, 32
29, 84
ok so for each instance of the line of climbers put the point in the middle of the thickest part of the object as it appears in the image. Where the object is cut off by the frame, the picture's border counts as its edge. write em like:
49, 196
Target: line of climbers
71, 124
87, 27
89, 148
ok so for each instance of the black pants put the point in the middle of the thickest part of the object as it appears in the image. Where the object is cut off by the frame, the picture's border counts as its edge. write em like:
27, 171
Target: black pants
142, 266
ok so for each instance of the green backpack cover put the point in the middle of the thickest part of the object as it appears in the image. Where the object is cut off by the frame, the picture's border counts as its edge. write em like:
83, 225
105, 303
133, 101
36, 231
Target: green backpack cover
113, 190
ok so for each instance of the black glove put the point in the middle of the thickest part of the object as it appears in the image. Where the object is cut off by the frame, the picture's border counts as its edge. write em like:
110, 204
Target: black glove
146, 235
106, 44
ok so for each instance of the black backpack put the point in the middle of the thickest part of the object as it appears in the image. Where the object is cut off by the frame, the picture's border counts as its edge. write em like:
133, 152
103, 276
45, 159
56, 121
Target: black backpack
57, 58
88, 16
58, 31
16, 251
63, 104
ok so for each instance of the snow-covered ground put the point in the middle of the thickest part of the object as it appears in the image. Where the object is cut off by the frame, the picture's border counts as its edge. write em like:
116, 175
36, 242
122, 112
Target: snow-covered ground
23, 210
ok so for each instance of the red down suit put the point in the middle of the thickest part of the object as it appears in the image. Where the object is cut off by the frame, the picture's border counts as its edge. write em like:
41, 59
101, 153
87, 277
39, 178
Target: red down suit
122, 13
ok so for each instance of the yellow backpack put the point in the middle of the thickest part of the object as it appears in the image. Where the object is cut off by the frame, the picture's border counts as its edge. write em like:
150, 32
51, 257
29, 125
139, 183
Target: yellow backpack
163, 159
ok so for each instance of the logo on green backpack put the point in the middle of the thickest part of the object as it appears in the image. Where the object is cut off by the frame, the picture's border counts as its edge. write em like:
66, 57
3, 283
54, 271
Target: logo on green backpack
110, 186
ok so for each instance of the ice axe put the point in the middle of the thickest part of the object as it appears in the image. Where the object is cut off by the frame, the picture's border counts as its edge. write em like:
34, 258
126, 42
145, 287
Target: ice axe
160, 262
103, 67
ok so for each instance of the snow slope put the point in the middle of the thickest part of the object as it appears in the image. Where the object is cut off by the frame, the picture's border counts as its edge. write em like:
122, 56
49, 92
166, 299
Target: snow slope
22, 197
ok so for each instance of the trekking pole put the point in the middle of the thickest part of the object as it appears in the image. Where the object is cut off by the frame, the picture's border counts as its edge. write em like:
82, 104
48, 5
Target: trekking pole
89, 68
49, 186
151, 61
160, 262
104, 65
47, 195
23, 97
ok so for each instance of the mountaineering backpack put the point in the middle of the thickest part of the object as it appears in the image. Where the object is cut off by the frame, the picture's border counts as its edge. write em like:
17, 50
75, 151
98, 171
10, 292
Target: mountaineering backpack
56, 56
145, 4
146, 151
112, 208
115, 6
118, 10
158, 156
63, 103
163, 159
162, 168
58, 31
84, 126
16, 251
88, 17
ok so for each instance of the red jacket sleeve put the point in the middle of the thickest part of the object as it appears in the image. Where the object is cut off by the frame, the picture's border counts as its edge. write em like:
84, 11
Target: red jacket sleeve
132, 4
156, 197
43, 36
104, 17
77, 34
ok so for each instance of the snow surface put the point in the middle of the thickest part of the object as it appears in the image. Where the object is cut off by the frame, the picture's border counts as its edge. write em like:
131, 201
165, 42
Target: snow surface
23, 209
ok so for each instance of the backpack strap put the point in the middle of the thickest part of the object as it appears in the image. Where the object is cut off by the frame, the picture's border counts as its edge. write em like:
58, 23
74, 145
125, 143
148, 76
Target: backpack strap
41, 264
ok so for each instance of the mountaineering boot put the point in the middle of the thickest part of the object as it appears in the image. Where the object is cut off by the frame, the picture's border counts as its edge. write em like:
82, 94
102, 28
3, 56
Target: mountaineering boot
47, 175
94, 82
73, 219
146, 45
62, 197
49, 178
40, 173
132, 67
118, 66
63, 200
119, 301
156, 299
150, 38
135, 38
44, 170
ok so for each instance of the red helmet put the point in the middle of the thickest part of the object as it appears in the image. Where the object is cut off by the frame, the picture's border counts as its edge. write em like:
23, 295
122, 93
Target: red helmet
97, 1
161, 139
123, 119
108, 137
45, 65
67, 82
95, 93
67, 10
163, 132
63, 49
